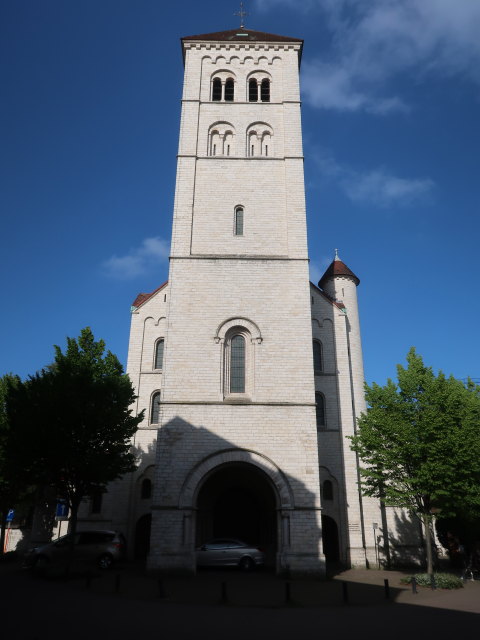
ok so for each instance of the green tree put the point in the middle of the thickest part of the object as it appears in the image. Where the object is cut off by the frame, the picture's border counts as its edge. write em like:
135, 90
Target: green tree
419, 443
15, 485
77, 415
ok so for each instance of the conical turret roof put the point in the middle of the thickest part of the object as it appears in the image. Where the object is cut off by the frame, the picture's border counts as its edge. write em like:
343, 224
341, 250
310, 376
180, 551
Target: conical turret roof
337, 268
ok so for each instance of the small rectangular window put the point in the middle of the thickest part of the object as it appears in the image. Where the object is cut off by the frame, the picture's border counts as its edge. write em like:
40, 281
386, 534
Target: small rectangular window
239, 222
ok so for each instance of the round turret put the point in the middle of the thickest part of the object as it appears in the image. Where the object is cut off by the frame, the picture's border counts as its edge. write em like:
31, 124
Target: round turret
331, 280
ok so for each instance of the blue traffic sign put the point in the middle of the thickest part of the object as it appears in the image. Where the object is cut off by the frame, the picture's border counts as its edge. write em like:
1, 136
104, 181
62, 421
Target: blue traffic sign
10, 515
61, 511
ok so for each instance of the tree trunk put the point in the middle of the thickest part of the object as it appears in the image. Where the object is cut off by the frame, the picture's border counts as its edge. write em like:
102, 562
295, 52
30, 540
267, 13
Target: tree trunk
428, 543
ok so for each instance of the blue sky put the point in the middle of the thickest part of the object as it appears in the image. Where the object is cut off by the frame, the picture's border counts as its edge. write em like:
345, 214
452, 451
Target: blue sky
89, 131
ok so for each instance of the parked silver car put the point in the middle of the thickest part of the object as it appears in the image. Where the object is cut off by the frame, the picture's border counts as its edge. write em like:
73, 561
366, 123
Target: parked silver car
101, 548
229, 552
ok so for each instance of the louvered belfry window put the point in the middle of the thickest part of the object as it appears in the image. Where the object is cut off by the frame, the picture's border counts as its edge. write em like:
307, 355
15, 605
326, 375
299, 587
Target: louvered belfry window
252, 90
155, 411
237, 364
217, 90
159, 354
265, 90
239, 221
229, 90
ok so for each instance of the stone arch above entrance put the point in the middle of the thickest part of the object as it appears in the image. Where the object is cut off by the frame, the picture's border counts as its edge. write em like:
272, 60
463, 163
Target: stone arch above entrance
198, 474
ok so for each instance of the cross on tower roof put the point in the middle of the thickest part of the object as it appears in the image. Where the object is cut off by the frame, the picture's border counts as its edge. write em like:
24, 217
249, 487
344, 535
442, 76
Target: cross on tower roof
241, 14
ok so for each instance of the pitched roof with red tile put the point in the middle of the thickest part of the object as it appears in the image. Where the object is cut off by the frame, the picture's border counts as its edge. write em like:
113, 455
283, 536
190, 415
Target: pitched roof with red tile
338, 268
143, 297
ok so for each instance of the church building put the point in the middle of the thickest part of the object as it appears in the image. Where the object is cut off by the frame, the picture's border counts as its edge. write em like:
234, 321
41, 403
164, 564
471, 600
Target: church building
251, 376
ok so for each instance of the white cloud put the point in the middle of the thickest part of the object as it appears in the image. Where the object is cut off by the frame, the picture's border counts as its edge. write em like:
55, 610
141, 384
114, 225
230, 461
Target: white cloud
384, 190
377, 187
138, 260
374, 40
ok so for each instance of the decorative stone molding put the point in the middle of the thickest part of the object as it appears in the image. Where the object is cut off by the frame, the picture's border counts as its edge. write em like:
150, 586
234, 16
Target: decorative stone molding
200, 472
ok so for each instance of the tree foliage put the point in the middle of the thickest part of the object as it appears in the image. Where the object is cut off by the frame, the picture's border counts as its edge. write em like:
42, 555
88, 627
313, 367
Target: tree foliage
419, 442
73, 422
12, 480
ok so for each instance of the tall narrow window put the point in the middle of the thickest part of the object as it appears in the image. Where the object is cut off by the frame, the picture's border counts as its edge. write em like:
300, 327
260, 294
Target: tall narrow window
146, 490
252, 90
265, 90
327, 490
229, 90
320, 410
217, 90
159, 354
155, 410
237, 364
317, 357
239, 221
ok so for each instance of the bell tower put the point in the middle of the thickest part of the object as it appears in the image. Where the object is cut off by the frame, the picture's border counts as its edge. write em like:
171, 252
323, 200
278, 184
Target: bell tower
237, 388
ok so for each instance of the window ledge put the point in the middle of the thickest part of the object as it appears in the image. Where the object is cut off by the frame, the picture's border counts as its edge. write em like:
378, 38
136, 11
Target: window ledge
237, 398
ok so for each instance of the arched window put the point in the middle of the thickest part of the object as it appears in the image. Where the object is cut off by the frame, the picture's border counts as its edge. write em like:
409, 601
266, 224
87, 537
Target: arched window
253, 144
320, 410
146, 490
265, 90
217, 90
229, 90
327, 492
228, 144
266, 144
238, 229
252, 90
159, 353
155, 409
237, 364
317, 357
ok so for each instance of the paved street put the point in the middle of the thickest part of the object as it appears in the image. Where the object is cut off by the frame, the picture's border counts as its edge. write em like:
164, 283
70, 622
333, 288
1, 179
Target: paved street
36, 608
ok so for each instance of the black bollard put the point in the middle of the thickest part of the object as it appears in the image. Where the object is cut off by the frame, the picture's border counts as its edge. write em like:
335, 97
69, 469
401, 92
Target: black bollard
414, 584
345, 592
88, 581
387, 588
288, 595
223, 597
161, 590
118, 578
432, 582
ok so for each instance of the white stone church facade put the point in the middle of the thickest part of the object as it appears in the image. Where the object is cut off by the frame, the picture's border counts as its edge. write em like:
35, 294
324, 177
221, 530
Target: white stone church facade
251, 377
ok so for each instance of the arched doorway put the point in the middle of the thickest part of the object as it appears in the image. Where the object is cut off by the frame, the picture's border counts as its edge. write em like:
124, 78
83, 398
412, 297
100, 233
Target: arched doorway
237, 500
330, 539
142, 537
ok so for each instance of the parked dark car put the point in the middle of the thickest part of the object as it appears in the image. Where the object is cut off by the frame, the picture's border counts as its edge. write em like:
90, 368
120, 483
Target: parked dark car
101, 548
229, 552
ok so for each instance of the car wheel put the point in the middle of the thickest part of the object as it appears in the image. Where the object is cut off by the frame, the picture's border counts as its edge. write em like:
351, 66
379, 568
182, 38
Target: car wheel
246, 564
105, 561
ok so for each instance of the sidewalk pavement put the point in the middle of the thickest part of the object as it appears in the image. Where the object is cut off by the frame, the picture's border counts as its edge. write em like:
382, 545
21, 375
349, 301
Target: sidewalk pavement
129, 603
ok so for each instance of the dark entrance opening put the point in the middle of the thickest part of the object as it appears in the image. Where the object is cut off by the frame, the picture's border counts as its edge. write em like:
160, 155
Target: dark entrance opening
142, 537
238, 501
330, 540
